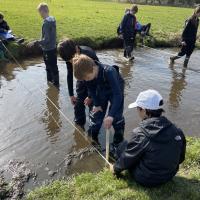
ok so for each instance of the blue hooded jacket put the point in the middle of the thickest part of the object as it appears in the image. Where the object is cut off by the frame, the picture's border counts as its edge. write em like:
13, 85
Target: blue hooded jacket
127, 27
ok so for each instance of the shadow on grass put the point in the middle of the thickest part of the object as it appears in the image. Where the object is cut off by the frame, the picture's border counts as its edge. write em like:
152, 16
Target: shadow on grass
179, 188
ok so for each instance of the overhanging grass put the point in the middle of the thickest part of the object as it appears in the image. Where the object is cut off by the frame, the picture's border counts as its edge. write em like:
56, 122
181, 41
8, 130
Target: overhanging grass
92, 21
104, 186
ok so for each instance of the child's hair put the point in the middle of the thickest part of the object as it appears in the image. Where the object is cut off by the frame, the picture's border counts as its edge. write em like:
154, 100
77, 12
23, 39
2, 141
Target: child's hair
43, 7
155, 113
1, 15
67, 49
134, 8
196, 11
82, 66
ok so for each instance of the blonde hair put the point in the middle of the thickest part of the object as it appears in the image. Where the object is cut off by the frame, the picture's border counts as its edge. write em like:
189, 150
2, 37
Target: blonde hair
43, 7
82, 66
197, 10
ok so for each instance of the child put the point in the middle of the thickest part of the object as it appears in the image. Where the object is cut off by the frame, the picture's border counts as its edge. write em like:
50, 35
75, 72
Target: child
157, 146
3, 24
189, 37
67, 50
48, 43
143, 30
105, 85
128, 31
5, 32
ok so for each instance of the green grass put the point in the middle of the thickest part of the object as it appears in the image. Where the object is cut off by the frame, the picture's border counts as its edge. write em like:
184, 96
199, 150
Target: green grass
104, 186
92, 22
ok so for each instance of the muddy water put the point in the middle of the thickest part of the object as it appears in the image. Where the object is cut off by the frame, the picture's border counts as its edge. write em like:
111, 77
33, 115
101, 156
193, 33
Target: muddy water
32, 129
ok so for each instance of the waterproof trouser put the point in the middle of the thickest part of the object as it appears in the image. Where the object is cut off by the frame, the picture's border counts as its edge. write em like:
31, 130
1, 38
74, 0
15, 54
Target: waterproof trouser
50, 59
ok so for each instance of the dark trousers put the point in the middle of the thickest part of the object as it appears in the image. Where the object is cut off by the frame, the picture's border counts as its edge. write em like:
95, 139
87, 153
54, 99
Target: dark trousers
96, 119
146, 29
128, 47
79, 108
50, 59
187, 50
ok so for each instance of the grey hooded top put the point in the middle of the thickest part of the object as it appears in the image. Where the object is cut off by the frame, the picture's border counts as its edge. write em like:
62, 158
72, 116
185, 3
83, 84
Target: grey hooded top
48, 39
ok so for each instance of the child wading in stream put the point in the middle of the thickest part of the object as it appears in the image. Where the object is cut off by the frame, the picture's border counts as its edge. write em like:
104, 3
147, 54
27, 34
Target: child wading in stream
189, 37
48, 44
127, 30
105, 85
67, 50
157, 146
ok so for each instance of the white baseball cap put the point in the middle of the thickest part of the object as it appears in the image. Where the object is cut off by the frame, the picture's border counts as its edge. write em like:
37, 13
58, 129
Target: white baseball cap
149, 99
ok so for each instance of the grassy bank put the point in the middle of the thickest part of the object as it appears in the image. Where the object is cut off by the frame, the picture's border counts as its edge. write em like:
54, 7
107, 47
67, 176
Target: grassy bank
104, 186
93, 22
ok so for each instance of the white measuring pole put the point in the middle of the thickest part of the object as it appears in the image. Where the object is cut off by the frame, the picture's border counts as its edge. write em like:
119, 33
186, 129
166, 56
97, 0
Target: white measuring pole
107, 143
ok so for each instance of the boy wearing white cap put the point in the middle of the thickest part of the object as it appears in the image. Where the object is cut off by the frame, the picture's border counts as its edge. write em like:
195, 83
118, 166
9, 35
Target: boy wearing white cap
157, 146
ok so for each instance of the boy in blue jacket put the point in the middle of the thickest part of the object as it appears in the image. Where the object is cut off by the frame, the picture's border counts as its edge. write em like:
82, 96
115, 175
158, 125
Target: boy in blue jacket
105, 85
128, 31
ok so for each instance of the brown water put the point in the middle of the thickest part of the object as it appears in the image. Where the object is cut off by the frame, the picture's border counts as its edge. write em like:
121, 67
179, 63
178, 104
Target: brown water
32, 129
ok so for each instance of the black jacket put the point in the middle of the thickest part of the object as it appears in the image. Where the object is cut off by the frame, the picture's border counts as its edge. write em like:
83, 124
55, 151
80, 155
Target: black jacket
4, 26
154, 153
83, 50
190, 31
127, 27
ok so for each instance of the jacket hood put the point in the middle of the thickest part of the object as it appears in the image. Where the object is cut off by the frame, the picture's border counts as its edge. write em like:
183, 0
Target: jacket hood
50, 19
156, 129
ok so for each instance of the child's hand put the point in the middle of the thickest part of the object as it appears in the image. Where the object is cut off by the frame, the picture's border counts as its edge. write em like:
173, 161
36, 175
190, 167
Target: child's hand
121, 36
73, 100
108, 122
112, 168
97, 109
184, 43
87, 101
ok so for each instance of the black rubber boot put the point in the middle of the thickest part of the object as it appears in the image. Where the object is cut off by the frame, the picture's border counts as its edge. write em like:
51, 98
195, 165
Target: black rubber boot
173, 58
186, 62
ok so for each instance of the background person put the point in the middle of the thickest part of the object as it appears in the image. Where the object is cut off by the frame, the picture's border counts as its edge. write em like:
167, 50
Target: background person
189, 37
128, 31
48, 44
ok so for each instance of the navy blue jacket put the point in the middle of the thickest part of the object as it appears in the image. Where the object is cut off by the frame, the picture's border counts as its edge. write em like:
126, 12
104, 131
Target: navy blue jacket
83, 50
127, 27
108, 84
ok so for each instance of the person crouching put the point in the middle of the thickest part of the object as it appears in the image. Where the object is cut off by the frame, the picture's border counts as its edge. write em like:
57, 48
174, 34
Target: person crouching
157, 146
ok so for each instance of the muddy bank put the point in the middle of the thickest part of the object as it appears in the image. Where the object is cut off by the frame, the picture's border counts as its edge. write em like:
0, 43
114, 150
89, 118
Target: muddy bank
22, 51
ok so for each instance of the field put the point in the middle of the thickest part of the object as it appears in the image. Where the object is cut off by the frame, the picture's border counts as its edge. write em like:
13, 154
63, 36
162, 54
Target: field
104, 186
93, 22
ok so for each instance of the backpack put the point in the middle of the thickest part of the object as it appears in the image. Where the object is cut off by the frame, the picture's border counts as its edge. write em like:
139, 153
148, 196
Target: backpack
104, 70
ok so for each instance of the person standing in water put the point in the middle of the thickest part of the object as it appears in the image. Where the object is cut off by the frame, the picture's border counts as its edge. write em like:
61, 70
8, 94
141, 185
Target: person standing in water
67, 50
48, 44
127, 30
189, 37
